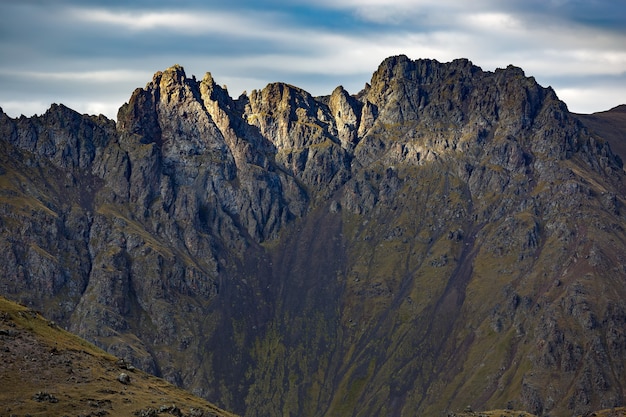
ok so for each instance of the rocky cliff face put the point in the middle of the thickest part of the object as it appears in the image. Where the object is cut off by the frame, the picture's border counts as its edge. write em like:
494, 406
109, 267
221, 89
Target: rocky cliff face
445, 237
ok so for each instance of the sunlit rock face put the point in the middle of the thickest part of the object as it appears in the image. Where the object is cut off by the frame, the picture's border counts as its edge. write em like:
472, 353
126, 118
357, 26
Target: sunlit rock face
445, 237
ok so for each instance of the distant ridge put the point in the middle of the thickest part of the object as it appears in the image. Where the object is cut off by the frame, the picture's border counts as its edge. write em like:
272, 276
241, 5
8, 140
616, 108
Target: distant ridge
611, 125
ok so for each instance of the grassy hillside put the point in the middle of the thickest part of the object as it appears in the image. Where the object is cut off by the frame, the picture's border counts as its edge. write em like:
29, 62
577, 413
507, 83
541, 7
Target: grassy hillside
611, 125
46, 371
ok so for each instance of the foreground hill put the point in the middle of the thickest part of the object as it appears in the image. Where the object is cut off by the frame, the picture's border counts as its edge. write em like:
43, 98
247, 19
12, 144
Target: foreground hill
47, 371
446, 237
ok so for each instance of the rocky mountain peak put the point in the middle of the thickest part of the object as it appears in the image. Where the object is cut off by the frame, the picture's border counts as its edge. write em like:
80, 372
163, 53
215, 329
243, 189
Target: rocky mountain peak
447, 236
171, 79
347, 113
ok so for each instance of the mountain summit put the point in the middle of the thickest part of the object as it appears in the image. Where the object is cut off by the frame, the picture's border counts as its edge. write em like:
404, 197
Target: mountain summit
446, 237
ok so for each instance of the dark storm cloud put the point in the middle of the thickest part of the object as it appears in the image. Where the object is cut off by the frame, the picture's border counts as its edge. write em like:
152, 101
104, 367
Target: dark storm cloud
91, 54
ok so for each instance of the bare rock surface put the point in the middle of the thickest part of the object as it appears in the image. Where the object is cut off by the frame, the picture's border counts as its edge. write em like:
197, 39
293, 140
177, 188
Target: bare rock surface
445, 237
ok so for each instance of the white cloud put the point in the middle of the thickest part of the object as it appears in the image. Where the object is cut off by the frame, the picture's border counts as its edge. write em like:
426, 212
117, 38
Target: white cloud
503, 23
592, 99
190, 23
109, 109
97, 76
35, 107
148, 20
17, 108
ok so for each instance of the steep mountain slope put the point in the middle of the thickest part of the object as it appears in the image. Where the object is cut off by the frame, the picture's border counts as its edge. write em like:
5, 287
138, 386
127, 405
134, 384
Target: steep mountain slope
611, 125
446, 237
47, 371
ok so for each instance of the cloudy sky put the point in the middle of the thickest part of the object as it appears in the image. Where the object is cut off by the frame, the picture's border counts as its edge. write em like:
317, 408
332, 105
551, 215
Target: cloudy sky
91, 54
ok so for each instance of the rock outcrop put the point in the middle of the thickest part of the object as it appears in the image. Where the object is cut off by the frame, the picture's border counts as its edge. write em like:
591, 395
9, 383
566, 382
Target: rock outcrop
447, 236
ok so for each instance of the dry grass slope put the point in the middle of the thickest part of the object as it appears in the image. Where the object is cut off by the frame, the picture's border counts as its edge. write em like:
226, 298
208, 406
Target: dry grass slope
46, 371
611, 125
613, 412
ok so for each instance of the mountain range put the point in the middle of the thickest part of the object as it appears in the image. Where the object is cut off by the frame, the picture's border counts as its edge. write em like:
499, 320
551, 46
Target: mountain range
446, 237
